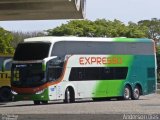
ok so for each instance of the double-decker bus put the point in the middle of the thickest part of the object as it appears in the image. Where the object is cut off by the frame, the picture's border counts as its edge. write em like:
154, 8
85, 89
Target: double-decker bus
69, 68
5, 76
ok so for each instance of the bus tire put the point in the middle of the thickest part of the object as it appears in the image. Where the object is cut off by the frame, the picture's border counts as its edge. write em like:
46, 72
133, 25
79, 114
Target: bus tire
127, 93
44, 102
5, 94
69, 96
100, 99
36, 102
135, 93
96, 99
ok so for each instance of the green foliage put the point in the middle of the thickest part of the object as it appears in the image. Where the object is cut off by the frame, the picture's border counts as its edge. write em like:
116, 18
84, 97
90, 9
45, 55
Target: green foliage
99, 28
110, 28
18, 37
5, 42
107, 28
158, 49
9, 40
75, 28
153, 27
136, 31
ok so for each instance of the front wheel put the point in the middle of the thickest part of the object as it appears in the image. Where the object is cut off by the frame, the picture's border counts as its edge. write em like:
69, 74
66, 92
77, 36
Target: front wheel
69, 96
44, 102
127, 93
36, 102
136, 93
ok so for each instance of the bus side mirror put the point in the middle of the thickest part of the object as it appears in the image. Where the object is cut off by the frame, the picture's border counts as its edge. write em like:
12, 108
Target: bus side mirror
5, 63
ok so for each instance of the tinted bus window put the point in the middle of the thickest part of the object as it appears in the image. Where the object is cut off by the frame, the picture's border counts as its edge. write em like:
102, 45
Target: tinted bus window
98, 73
32, 51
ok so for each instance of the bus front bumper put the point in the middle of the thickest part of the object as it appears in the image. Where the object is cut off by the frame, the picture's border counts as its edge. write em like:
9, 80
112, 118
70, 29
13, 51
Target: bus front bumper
37, 96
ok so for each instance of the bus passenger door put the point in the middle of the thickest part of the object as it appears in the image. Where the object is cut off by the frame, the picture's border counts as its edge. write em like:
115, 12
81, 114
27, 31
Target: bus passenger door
80, 84
54, 72
52, 92
56, 91
84, 86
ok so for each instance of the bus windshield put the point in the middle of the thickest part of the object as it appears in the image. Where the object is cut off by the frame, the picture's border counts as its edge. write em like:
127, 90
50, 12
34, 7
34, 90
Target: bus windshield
28, 75
32, 51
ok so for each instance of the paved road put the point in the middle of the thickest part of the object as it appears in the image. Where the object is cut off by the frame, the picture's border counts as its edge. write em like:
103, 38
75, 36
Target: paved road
149, 104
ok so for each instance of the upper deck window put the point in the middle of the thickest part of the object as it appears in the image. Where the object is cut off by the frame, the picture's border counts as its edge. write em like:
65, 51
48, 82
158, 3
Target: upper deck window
32, 51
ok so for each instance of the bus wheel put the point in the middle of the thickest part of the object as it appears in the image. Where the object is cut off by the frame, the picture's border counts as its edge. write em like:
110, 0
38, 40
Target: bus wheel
127, 93
36, 102
96, 99
5, 94
69, 96
44, 102
100, 99
136, 93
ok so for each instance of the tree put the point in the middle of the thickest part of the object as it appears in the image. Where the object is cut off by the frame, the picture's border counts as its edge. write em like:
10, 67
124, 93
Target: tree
112, 28
153, 27
5, 42
19, 37
136, 31
75, 28
99, 28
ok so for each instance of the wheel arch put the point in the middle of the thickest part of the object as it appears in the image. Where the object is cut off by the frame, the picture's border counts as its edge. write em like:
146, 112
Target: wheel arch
71, 88
140, 87
129, 85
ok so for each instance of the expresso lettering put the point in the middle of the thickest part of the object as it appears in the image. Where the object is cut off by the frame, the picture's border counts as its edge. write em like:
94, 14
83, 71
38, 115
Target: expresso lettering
100, 60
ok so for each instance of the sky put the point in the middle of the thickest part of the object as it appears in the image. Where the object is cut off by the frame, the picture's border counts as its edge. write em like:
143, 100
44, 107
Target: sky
123, 10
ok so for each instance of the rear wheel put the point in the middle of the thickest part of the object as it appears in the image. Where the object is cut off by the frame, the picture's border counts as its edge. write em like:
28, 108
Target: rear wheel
36, 102
136, 93
127, 93
5, 94
101, 99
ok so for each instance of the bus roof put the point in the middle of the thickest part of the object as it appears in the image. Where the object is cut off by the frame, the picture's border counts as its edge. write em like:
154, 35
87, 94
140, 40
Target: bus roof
52, 39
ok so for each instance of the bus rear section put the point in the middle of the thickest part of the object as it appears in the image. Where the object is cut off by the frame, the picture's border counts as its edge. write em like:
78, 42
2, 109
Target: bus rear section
107, 76
73, 67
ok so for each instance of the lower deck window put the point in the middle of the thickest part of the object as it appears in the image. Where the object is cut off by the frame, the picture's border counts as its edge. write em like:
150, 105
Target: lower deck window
98, 73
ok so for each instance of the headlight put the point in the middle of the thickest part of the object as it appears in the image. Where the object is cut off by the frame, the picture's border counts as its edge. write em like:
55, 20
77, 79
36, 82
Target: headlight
40, 92
14, 93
